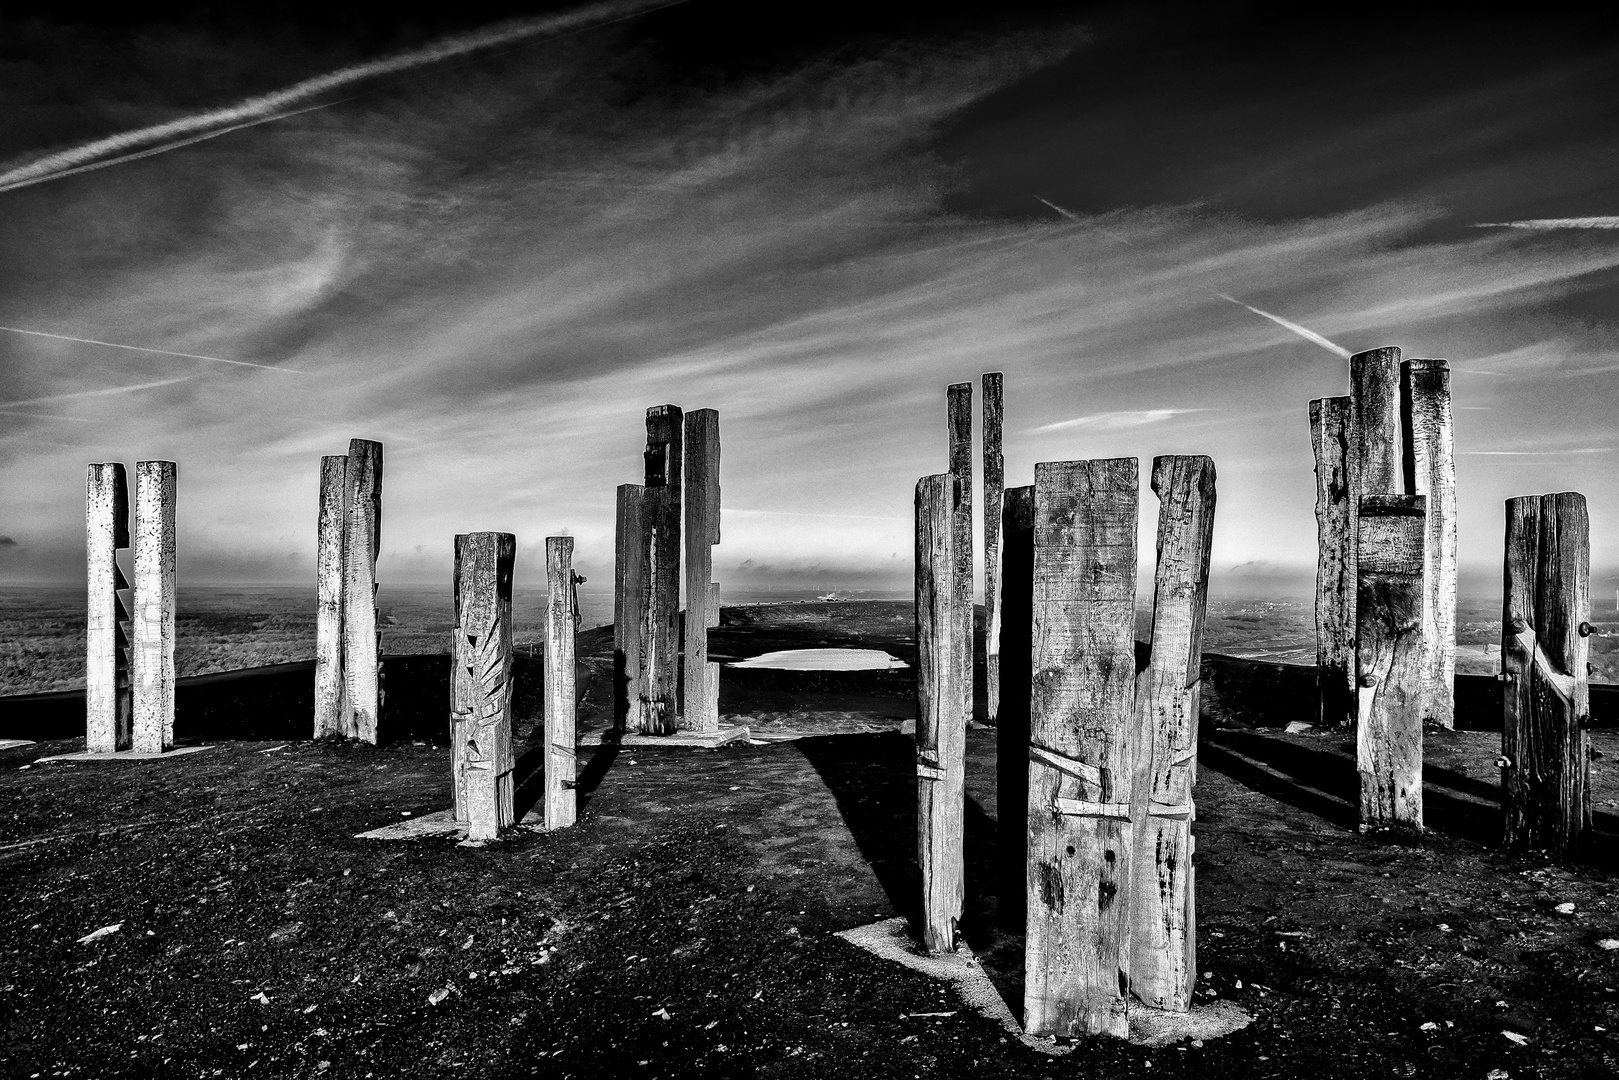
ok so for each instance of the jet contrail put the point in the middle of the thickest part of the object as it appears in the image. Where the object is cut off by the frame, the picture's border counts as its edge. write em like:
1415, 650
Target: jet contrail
278, 105
1553, 223
131, 388
159, 352
1302, 331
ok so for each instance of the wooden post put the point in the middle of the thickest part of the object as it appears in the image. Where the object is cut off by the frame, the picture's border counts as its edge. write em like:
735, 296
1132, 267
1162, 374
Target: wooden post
1388, 633
330, 528
107, 630
660, 626
994, 485
959, 413
1012, 726
1080, 757
1430, 465
702, 493
1163, 937
1544, 650
562, 623
362, 660
481, 683
1375, 463
152, 648
941, 725
1330, 425
629, 600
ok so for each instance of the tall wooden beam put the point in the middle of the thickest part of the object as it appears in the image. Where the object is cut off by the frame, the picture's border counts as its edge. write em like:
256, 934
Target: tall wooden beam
1388, 620
629, 602
1430, 465
481, 683
362, 639
106, 671
331, 526
152, 647
562, 623
1080, 755
994, 485
660, 618
1544, 651
1163, 938
701, 679
941, 723
1012, 726
959, 414
1330, 425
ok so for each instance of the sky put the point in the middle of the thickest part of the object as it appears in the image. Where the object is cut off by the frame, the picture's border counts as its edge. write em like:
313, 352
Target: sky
492, 238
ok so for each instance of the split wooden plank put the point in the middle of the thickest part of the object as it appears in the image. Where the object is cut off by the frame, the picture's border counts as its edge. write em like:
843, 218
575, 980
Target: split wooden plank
1330, 426
959, 414
994, 487
941, 724
560, 803
1012, 725
331, 526
1163, 937
629, 600
151, 671
660, 616
700, 680
1082, 714
1388, 632
1544, 652
362, 637
1430, 465
1375, 460
481, 683
106, 680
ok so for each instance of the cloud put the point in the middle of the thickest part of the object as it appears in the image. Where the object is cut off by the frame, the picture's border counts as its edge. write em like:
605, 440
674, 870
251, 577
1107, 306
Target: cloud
1553, 223
1115, 421
7, 542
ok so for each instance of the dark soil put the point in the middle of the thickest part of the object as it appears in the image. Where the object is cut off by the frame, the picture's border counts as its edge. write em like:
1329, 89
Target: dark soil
684, 926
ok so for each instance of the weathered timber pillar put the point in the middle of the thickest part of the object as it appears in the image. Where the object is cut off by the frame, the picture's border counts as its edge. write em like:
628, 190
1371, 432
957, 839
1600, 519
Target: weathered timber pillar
959, 412
660, 615
1544, 650
994, 486
1430, 466
1012, 726
107, 705
1163, 939
701, 679
1375, 462
1330, 425
1080, 758
362, 660
629, 601
941, 723
152, 648
330, 528
1388, 632
481, 683
561, 624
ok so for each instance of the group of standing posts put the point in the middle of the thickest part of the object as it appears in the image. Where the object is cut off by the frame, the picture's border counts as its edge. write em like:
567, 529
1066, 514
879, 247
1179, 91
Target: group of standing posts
129, 670
348, 642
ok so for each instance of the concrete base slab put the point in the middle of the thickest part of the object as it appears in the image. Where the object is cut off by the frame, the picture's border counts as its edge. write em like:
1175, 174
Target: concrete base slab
707, 740
127, 755
438, 823
10, 744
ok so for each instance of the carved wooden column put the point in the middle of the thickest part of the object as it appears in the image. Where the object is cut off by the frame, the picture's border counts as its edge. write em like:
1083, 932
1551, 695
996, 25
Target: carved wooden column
660, 626
1388, 632
959, 414
152, 648
107, 630
1431, 471
481, 683
561, 624
330, 528
994, 485
1330, 425
702, 494
941, 723
1012, 726
629, 606
362, 661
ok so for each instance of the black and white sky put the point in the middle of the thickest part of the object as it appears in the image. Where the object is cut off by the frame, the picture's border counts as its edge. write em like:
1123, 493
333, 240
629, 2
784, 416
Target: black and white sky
492, 236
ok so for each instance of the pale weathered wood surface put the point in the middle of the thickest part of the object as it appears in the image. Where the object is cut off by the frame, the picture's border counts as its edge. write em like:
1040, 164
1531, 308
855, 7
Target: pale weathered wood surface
481, 683
1544, 652
1330, 422
941, 724
660, 616
1081, 722
994, 487
362, 659
1375, 460
1388, 632
152, 647
700, 695
629, 601
1012, 725
331, 526
1163, 937
560, 804
106, 673
959, 415
1430, 465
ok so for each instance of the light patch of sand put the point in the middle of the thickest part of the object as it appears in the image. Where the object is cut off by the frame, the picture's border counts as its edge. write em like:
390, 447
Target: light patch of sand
823, 660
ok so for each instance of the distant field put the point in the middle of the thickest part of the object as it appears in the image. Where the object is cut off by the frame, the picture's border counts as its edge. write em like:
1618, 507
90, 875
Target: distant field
224, 628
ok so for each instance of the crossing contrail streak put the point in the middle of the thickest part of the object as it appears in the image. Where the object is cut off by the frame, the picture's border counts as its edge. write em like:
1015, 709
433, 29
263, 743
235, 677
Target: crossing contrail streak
280, 104
1302, 331
158, 352
1553, 223
131, 388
